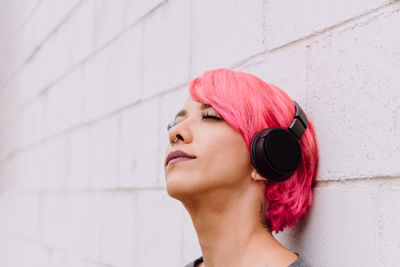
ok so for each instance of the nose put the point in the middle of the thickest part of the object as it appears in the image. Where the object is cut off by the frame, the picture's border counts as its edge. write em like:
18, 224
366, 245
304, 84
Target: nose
182, 131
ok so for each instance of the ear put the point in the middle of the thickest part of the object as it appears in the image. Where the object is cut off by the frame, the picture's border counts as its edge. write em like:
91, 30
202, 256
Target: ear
256, 176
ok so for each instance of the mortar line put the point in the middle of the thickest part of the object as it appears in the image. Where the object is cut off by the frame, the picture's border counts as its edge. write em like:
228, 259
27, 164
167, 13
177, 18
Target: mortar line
26, 19
359, 179
133, 190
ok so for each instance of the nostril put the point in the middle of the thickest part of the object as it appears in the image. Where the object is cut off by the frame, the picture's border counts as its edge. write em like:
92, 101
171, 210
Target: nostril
178, 136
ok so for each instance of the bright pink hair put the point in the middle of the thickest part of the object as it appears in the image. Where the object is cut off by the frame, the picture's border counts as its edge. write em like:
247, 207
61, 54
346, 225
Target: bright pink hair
249, 105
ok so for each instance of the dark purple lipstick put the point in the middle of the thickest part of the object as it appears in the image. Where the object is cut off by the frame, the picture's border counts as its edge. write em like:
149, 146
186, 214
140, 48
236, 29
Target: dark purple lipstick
178, 155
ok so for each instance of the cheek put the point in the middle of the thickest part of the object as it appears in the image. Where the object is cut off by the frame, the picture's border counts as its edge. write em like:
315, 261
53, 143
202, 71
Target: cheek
227, 159
222, 162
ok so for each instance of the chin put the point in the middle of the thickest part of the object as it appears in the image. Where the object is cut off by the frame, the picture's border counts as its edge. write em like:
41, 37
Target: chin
177, 187
181, 187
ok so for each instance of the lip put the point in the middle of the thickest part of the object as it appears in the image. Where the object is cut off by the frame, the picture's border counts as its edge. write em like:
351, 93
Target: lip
178, 154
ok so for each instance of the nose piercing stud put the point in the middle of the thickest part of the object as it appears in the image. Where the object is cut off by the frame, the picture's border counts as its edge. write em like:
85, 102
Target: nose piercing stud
172, 141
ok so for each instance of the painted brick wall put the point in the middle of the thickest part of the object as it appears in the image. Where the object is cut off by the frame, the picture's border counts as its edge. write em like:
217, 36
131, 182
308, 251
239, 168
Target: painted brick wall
87, 88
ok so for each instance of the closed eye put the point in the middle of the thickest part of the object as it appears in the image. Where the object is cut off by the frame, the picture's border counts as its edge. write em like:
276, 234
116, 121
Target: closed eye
207, 116
203, 116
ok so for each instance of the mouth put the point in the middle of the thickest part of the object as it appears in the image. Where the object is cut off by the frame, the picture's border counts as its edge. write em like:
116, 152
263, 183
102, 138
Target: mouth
172, 161
176, 156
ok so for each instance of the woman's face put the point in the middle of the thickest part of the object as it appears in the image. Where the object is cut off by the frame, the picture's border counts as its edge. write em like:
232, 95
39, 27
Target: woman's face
221, 157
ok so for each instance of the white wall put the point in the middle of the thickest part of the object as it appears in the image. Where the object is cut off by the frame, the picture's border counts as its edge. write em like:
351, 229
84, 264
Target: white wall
87, 88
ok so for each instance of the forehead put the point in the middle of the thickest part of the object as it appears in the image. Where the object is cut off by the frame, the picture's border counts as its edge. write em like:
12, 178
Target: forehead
191, 103
192, 106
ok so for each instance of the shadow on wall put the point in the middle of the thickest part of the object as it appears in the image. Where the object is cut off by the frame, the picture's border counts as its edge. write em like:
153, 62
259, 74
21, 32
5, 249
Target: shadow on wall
295, 238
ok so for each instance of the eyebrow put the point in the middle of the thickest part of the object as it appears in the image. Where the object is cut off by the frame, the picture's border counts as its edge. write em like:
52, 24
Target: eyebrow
183, 111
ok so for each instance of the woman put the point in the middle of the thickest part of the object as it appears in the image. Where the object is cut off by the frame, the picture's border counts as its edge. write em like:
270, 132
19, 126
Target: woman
239, 180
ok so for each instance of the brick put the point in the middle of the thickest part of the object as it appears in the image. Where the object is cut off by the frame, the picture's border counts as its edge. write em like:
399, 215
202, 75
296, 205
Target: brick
54, 228
354, 103
388, 249
78, 160
33, 77
118, 224
15, 179
6, 212
79, 28
29, 166
55, 170
125, 69
224, 33
6, 172
52, 112
32, 123
103, 154
26, 209
158, 226
3, 175
166, 47
83, 221
138, 162
110, 18
8, 98
11, 134
72, 222
23, 172
94, 87
20, 215
9, 45
70, 109
6, 243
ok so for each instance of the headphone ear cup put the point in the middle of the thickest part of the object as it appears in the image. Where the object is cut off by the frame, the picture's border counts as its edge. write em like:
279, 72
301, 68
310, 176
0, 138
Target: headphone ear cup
275, 153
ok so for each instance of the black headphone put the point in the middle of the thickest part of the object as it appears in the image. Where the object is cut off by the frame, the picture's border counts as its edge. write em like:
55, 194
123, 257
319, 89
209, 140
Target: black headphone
276, 153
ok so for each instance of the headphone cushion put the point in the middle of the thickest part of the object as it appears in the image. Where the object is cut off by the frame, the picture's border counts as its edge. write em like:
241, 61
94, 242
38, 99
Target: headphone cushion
282, 150
275, 153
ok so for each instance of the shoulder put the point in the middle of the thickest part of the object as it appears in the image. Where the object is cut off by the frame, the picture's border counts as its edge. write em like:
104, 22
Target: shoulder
300, 262
196, 263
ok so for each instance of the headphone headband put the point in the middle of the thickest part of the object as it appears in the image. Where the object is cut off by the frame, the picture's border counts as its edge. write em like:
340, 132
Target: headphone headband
299, 124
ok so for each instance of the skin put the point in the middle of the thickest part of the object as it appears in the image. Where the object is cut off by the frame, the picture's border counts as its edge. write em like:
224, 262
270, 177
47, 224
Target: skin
222, 192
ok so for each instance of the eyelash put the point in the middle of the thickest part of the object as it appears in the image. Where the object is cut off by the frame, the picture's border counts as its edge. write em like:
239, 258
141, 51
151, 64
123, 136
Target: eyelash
203, 116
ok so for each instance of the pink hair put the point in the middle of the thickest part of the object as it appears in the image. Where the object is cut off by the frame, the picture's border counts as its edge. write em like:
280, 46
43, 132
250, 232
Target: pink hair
248, 104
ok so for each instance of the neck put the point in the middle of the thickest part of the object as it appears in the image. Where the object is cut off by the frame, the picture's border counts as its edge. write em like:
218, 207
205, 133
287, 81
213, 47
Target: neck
229, 228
